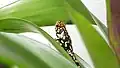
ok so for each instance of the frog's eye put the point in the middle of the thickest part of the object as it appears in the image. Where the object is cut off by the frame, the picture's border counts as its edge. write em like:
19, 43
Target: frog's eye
57, 26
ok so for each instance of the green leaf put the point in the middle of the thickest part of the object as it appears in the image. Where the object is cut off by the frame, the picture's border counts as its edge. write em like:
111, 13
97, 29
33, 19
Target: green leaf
18, 26
41, 12
14, 25
26, 53
84, 63
81, 8
108, 7
102, 56
102, 27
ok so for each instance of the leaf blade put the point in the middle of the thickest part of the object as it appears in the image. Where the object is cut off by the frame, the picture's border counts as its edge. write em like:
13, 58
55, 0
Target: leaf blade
41, 12
81, 8
95, 44
32, 56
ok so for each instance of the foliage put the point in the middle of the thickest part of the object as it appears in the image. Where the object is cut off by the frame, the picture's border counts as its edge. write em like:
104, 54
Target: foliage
29, 15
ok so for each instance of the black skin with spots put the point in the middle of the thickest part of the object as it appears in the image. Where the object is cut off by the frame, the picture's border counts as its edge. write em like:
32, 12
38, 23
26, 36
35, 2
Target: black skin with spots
65, 41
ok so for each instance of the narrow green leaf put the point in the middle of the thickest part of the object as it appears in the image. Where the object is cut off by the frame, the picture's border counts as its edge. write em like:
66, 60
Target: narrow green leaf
81, 8
84, 63
108, 7
14, 25
26, 53
102, 27
102, 56
41, 12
